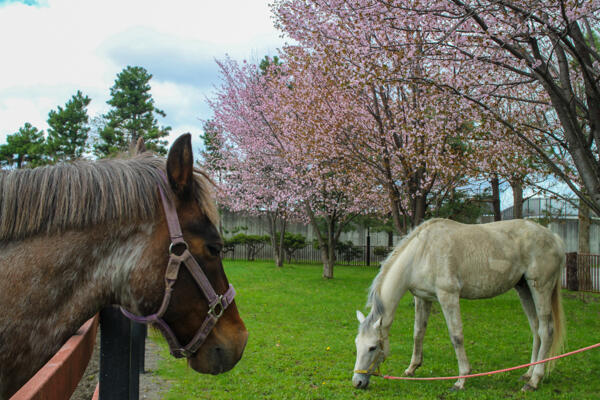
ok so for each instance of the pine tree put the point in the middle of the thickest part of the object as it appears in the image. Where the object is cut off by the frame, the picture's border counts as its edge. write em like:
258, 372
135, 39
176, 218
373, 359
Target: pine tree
133, 115
24, 148
68, 132
211, 153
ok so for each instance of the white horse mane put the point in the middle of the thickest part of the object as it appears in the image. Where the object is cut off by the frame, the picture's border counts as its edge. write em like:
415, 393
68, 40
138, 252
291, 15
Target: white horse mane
374, 299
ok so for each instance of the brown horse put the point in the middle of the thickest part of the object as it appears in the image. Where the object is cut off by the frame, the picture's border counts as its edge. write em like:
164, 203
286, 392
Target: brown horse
77, 237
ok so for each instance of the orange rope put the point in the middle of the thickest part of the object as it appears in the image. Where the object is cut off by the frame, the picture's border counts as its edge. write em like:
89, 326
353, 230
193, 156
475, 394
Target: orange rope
406, 378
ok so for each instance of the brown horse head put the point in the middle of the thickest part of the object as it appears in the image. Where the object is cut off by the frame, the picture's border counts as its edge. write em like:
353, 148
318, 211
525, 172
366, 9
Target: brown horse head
77, 237
188, 306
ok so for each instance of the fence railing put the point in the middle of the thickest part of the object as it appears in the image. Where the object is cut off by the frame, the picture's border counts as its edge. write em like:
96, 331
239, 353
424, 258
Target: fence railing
122, 344
59, 377
348, 255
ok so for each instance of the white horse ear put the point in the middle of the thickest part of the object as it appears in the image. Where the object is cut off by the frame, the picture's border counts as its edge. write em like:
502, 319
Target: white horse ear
377, 324
360, 316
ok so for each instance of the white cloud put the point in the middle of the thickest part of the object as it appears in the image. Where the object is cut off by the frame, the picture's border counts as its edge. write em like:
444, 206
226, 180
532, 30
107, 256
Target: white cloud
69, 45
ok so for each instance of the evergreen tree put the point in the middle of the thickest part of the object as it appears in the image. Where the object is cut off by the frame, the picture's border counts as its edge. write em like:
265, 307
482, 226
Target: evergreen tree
211, 153
133, 115
68, 132
24, 148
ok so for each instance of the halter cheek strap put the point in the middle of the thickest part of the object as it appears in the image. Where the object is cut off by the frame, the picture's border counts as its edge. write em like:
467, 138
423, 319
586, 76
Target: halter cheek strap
216, 303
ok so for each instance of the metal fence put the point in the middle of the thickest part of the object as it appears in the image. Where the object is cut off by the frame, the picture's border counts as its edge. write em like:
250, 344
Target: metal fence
348, 255
582, 272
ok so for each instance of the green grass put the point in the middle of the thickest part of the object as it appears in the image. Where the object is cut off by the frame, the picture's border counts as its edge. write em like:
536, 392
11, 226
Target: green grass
301, 343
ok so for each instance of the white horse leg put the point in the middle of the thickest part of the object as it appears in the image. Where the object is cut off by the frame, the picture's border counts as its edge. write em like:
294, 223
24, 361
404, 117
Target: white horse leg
451, 308
542, 298
529, 308
422, 309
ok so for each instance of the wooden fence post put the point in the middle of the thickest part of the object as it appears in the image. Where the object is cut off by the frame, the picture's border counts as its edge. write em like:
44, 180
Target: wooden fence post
139, 333
572, 280
119, 356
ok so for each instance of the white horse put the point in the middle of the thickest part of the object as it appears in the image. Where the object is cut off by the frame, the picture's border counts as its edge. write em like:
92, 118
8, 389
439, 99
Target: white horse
445, 260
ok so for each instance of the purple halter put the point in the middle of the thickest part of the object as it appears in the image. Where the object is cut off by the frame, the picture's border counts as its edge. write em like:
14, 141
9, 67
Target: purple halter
216, 303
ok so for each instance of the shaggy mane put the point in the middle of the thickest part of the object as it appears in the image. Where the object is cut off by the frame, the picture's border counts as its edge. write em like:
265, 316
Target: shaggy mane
78, 195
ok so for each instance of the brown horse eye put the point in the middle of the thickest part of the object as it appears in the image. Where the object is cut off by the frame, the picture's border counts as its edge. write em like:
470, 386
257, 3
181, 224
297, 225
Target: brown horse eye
372, 348
214, 249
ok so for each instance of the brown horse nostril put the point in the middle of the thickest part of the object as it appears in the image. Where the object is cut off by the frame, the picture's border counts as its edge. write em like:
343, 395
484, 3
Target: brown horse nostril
220, 355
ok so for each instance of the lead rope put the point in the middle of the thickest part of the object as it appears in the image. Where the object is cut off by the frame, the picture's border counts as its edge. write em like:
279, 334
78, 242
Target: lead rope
407, 378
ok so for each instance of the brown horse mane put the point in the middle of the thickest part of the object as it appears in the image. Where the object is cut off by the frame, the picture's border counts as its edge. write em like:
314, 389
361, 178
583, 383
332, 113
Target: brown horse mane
81, 194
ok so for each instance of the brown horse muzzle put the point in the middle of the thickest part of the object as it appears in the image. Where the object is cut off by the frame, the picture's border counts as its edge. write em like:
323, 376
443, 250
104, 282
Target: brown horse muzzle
223, 348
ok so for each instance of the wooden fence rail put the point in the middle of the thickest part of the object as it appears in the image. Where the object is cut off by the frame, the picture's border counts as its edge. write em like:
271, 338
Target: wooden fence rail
58, 379
122, 344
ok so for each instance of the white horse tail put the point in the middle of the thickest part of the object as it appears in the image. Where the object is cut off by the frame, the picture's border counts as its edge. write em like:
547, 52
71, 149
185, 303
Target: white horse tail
560, 329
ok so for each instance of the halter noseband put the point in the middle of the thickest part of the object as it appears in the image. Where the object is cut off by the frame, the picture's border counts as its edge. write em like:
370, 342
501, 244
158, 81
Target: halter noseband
216, 303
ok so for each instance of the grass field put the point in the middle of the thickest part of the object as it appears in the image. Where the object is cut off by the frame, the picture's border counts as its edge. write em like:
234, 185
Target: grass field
301, 343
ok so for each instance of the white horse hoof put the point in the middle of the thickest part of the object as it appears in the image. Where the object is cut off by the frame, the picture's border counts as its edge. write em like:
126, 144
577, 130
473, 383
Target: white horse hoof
528, 388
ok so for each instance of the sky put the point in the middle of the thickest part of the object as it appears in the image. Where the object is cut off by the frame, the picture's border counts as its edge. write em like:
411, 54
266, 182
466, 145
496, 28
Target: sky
52, 48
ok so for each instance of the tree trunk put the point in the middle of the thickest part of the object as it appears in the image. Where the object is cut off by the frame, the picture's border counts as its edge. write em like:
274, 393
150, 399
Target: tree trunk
420, 208
584, 228
326, 245
495, 182
328, 260
331, 245
390, 242
276, 243
280, 250
395, 207
584, 271
517, 188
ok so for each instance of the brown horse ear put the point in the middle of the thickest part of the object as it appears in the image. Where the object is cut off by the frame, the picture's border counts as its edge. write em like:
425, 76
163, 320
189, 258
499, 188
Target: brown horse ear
180, 165
140, 146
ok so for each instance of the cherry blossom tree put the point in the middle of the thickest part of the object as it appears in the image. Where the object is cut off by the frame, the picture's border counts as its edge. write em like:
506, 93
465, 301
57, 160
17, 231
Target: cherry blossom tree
406, 139
505, 57
252, 175
274, 160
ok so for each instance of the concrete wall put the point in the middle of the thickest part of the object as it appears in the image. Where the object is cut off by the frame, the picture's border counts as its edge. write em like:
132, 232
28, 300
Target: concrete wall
567, 229
260, 226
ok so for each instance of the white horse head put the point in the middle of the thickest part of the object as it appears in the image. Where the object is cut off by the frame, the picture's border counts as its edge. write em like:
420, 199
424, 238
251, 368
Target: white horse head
372, 347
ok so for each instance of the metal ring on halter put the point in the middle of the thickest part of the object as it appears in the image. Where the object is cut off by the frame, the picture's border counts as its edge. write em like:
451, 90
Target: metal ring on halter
212, 308
177, 244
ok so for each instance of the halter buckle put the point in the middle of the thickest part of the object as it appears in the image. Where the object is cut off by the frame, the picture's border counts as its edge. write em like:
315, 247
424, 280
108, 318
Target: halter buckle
217, 308
176, 245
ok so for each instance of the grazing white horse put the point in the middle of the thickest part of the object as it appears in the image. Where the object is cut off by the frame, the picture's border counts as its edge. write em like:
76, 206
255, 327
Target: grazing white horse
443, 260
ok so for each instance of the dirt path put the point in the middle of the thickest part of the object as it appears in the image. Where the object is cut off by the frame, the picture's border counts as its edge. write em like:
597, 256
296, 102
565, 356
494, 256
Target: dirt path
152, 387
